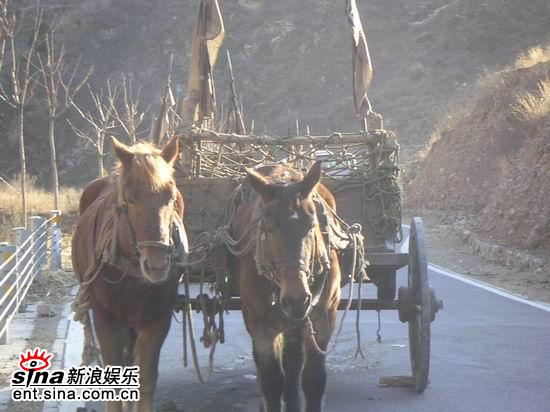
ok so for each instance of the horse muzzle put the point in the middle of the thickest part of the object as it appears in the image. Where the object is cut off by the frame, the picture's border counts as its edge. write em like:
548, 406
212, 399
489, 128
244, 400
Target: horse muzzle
155, 260
296, 308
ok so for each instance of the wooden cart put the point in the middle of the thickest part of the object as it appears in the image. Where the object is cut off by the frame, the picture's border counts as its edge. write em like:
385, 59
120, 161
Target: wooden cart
361, 170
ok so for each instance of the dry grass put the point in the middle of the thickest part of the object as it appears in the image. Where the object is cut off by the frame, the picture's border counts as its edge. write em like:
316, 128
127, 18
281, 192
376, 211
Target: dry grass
533, 106
533, 56
492, 94
39, 202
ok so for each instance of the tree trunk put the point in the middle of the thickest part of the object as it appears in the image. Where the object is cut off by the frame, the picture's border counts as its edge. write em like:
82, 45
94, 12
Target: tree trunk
100, 155
99, 164
53, 159
23, 162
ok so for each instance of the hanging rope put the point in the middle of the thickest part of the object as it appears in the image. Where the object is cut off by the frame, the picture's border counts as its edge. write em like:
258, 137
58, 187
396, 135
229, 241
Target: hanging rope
190, 331
358, 350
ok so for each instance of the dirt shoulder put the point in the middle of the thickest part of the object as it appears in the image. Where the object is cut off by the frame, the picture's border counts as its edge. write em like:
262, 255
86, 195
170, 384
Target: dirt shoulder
448, 247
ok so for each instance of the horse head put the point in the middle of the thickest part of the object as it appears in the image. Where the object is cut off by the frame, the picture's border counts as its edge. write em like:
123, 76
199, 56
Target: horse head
290, 234
148, 195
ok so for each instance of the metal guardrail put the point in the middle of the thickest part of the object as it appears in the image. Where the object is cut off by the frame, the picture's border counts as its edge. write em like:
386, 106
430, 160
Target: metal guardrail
21, 262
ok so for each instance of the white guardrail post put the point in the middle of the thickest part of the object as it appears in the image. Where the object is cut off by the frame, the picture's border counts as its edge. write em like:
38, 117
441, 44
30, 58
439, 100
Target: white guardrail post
39, 243
55, 259
8, 289
20, 236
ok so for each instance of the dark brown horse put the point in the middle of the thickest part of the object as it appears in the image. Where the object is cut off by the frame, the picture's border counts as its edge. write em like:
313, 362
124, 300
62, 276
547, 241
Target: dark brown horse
289, 280
122, 252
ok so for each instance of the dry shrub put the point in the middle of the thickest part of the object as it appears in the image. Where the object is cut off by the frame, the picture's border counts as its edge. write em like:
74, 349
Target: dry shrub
39, 202
533, 56
533, 105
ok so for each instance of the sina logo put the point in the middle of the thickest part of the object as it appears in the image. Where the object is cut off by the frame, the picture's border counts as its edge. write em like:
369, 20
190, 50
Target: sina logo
33, 367
35, 361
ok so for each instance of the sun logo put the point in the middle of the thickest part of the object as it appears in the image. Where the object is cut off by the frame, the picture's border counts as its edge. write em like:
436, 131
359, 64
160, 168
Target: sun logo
35, 360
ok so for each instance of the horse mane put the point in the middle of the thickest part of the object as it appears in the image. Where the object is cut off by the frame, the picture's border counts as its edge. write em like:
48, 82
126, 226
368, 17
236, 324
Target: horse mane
283, 175
148, 167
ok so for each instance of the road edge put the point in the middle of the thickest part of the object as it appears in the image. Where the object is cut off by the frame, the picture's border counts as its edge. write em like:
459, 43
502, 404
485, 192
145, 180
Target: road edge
69, 355
477, 283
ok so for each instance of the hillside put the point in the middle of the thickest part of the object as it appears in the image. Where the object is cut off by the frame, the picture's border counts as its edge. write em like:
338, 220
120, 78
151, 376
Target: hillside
292, 57
494, 160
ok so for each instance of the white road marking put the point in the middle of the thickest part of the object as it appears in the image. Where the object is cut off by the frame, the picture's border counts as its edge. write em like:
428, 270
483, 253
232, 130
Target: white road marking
489, 288
476, 283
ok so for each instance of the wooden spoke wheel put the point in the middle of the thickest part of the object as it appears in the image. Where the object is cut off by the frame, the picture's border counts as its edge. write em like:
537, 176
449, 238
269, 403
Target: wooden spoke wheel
419, 311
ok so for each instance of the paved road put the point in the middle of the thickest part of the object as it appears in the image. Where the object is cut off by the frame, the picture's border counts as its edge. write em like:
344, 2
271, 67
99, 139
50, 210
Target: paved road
489, 353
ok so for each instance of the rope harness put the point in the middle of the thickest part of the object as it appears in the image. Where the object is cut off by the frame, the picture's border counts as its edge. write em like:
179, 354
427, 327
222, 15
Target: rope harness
336, 235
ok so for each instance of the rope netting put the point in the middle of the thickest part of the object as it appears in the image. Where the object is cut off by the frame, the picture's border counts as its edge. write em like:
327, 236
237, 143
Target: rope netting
365, 162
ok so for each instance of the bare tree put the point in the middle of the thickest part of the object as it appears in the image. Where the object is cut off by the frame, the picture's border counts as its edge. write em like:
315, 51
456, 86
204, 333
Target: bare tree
7, 27
130, 118
21, 81
100, 121
61, 86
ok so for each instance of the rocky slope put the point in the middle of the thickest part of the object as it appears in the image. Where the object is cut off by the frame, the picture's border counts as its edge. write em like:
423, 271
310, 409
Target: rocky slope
494, 161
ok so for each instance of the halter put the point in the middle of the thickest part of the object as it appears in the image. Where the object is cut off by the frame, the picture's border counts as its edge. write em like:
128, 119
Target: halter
175, 249
316, 278
137, 245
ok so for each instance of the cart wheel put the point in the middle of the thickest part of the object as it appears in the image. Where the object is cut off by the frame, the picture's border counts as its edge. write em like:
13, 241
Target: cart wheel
420, 315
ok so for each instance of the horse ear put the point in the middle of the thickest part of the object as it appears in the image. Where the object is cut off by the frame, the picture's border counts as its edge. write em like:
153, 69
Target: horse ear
260, 184
311, 180
171, 150
122, 151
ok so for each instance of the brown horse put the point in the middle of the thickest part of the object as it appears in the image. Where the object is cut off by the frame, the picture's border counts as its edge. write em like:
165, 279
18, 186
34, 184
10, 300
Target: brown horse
290, 280
122, 250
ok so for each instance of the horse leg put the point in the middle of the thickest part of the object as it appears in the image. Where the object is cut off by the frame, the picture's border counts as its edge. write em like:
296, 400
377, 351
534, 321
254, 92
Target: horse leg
129, 348
266, 355
293, 360
147, 350
129, 353
314, 376
112, 338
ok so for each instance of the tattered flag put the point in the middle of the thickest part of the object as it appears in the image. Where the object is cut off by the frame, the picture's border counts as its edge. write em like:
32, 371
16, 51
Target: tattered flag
200, 102
362, 65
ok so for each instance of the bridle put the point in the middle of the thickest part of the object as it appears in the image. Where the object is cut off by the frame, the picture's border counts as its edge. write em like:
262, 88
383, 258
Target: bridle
316, 273
114, 257
138, 245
